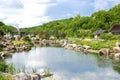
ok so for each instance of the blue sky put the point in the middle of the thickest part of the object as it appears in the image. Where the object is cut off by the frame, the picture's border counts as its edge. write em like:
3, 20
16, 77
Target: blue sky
28, 13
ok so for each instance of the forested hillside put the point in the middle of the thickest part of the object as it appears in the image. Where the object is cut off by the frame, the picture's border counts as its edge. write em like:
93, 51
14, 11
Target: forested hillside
6, 28
79, 26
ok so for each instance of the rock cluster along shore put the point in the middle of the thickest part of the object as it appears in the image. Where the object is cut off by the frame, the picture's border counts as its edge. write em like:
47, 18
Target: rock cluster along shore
8, 48
39, 75
45, 42
114, 53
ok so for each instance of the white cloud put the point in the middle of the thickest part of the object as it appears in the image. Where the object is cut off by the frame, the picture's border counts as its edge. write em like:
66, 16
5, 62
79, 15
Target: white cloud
104, 74
11, 4
104, 4
25, 12
32, 21
100, 4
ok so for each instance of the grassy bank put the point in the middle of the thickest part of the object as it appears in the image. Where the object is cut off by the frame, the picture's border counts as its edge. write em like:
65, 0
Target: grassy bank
96, 44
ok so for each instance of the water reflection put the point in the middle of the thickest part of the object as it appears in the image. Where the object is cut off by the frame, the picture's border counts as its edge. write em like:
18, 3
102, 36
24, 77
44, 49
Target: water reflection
66, 65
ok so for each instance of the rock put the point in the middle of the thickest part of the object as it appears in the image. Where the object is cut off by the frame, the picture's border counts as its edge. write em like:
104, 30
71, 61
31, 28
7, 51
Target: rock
78, 48
6, 54
21, 76
104, 51
5, 49
73, 45
41, 72
57, 42
69, 47
92, 51
15, 77
10, 47
62, 43
35, 77
44, 42
86, 47
117, 44
5, 74
117, 55
116, 49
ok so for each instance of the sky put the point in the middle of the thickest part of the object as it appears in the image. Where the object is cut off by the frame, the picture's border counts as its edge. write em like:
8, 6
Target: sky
29, 13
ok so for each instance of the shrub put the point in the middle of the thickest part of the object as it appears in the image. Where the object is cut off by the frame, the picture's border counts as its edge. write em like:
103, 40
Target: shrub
3, 66
7, 68
107, 36
84, 33
0, 49
5, 77
26, 38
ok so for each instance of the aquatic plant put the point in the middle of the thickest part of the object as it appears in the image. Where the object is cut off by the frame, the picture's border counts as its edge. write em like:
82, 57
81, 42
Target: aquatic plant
8, 68
34, 70
3, 66
47, 73
11, 69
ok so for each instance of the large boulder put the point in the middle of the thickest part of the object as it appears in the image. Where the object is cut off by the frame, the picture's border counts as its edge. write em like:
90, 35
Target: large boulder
86, 47
6, 54
104, 51
117, 57
70, 46
116, 49
117, 44
22, 76
35, 77
41, 72
78, 48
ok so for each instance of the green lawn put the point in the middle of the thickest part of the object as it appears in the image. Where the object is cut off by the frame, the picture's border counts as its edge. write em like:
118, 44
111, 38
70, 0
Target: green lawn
97, 44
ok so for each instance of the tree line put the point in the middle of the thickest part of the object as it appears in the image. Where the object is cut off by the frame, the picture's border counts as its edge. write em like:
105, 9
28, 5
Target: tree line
6, 28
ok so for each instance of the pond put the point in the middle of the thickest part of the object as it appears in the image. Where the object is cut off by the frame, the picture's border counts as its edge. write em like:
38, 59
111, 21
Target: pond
67, 64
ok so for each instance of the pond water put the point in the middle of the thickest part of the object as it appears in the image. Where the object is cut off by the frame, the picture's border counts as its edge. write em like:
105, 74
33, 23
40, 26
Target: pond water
67, 64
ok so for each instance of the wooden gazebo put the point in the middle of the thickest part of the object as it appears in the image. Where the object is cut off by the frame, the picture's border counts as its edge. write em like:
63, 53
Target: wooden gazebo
115, 29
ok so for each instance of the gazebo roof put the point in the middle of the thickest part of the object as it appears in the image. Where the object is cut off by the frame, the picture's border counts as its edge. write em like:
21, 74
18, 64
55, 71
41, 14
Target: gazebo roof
115, 28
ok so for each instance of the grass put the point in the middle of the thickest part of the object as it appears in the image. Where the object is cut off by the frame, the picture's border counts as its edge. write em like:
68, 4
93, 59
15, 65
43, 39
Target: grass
97, 44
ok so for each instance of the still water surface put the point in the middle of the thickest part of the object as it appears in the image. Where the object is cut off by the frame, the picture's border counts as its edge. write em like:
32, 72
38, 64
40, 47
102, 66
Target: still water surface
67, 65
